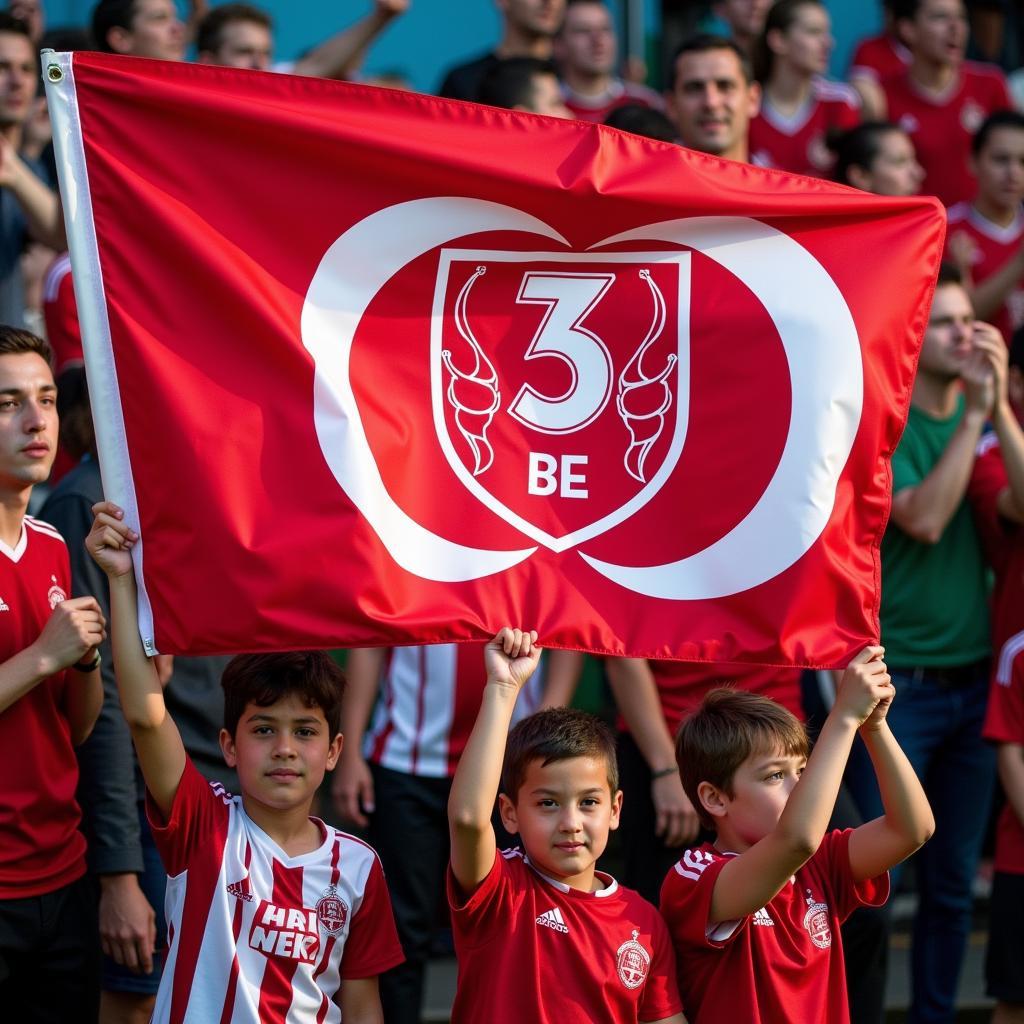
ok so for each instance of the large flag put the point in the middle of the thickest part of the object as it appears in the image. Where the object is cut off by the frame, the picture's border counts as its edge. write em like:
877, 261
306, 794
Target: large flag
371, 367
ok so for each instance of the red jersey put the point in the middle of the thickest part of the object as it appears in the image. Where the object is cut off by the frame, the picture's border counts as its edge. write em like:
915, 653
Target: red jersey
41, 848
254, 935
942, 128
430, 696
532, 950
620, 94
1003, 539
799, 143
61, 314
1004, 723
991, 248
879, 57
683, 684
782, 963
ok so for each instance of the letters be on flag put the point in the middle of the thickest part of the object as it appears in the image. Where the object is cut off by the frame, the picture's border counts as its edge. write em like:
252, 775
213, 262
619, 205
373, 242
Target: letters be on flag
376, 368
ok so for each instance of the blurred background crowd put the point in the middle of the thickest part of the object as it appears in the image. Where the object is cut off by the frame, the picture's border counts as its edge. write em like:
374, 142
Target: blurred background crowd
898, 98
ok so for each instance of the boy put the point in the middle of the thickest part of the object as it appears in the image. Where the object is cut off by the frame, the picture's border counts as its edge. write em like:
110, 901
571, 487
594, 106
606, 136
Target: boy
286, 913
545, 937
755, 916
986, 236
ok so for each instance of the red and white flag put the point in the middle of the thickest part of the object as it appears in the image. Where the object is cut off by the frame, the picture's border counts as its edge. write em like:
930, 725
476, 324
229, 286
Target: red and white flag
373, 368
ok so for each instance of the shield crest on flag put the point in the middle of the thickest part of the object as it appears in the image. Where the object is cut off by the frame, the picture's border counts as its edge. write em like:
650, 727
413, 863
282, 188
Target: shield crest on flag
560, 382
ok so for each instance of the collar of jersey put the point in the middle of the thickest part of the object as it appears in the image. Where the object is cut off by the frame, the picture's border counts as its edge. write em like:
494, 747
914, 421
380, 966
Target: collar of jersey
303, 858
610, 889
15, 553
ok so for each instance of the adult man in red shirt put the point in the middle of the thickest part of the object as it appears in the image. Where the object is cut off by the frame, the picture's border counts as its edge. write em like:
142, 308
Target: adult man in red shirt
940, 101
587, 53
50, 695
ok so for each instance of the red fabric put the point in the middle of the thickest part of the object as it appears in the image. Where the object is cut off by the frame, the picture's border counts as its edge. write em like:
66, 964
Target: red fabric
248, 538
783, 963
61, 314
942, 130
41, 848
531, 949
800, 144
879, 57
1003, 540
1004, 723
682, 686
991, 248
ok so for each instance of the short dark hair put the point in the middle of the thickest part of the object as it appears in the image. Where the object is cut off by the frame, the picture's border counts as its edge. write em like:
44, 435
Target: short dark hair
556, 734
210, 32
110, 14
510, 83
859, 147
641, 120
905, 10
706, 42
781, 18
263, 679
14, 341
949, 273
15, 26
996, 120
727, 727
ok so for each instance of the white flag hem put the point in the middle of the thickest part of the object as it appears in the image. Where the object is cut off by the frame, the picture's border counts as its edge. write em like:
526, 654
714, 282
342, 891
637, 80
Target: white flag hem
87, 275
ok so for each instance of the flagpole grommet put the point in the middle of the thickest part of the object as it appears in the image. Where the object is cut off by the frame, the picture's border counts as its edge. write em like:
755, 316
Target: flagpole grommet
54, 72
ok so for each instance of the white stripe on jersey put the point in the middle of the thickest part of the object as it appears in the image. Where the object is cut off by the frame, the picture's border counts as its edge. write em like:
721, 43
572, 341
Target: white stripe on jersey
51, 283
987, 443
41, 527
694, 863
1007, 655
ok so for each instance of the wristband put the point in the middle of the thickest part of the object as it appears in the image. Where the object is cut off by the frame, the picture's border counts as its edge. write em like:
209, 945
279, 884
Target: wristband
88, 666
662, 773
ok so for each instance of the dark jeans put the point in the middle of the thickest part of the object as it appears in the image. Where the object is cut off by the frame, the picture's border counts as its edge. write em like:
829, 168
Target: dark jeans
938, 725
50, 956
409, 831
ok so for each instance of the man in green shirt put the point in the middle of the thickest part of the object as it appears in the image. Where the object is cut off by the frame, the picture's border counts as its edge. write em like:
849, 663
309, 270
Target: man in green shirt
935, 629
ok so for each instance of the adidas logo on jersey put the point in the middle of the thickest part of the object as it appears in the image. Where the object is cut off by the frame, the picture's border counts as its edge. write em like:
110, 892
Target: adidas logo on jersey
553, 919
4, 606
240, 891
761, 917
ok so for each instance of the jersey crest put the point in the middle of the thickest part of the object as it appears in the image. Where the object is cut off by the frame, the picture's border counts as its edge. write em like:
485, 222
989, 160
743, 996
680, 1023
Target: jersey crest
633, 962
331, 910
55, 594
817, 923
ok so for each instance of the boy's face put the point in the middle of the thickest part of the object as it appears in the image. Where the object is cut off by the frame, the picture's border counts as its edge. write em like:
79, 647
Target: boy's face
563, 813
1000, 168
281, 752
760, 790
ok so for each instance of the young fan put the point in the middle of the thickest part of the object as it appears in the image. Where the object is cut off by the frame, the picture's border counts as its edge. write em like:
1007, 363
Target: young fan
755, 915
291, 918
541, 935
801, 111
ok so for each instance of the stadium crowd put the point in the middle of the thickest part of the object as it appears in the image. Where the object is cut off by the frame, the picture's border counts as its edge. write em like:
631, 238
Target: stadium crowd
83, 889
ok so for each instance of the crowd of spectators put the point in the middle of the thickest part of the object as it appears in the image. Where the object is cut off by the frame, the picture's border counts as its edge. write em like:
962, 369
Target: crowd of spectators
914, 117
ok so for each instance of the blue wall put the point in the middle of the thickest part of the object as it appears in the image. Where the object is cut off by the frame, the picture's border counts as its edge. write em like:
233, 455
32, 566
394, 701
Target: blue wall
437, 33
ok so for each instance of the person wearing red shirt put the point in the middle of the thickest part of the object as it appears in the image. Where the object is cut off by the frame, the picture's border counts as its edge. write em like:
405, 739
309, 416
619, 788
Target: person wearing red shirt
755, 915
800, 111
272, 915
876, 58
940, 100
985, 237
542, 936
996, 492
586, 52
50, 697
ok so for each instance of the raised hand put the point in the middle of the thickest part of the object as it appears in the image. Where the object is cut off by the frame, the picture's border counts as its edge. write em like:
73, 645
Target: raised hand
865, 690
110, 540
511, 657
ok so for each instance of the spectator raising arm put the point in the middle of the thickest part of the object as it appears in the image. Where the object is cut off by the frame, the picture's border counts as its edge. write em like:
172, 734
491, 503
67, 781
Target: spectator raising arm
342, 54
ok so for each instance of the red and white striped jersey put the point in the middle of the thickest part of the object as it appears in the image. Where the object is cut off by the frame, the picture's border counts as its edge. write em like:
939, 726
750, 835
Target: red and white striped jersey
1004, 723
991, 248
41, 848
254, 935
799, 143
429, 701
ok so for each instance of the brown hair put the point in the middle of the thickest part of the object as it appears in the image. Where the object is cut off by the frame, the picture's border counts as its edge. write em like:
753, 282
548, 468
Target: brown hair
14, 341
556, 734
723, 731
263, 679
210, 31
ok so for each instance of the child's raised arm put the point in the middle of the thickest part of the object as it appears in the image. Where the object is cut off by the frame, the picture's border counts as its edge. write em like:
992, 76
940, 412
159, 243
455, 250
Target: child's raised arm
511, 658
907, 823
749, 881
156, 737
